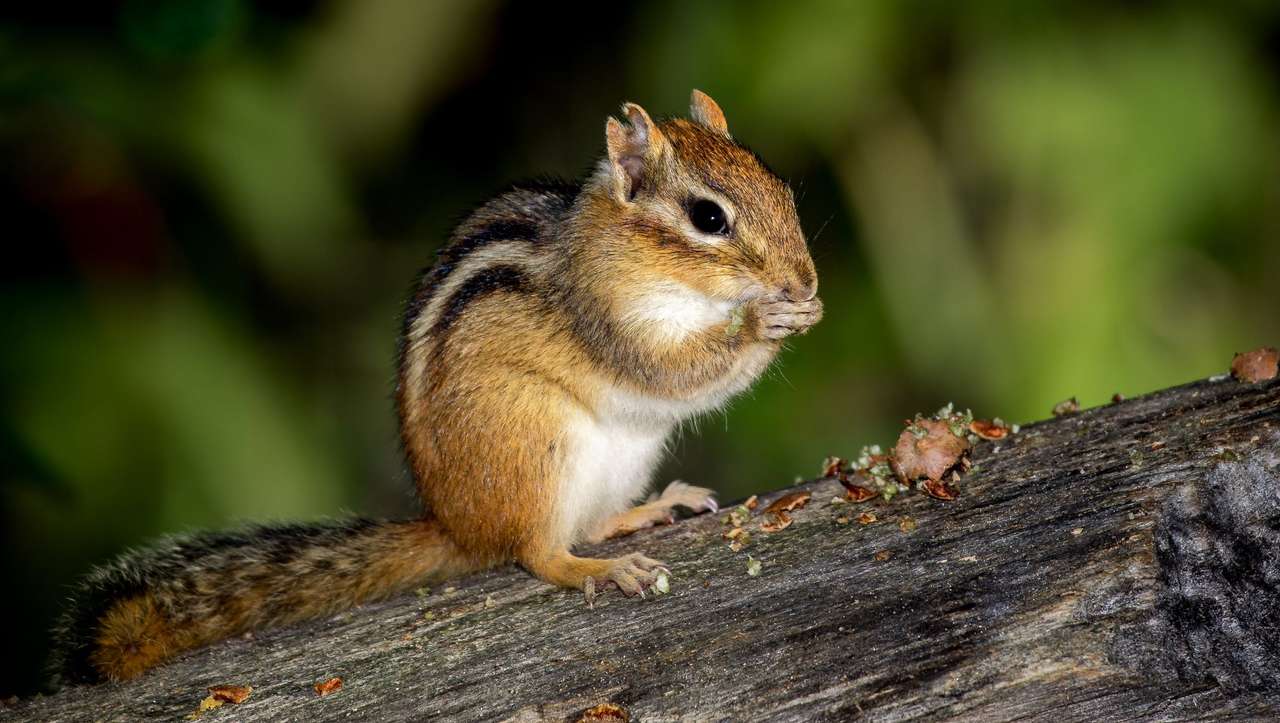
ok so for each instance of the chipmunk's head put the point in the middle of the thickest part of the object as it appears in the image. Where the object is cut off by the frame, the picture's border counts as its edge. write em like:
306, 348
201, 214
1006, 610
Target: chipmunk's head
697, 210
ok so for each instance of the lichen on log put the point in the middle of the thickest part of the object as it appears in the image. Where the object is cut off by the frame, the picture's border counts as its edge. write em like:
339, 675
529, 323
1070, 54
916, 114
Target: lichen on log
1118, 563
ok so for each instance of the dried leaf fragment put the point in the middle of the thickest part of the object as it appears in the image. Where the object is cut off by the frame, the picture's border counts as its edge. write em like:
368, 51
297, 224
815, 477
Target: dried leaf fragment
857, 493
605, 713
752, 502
866, 518
788, 502
326, 687
738, 538
939, 490
906, 524
206, 705
931, 454
989, 429
231, 693
738, 516
1065, 407
1258, 365
883, 555
220, 694
831, 466
777, 522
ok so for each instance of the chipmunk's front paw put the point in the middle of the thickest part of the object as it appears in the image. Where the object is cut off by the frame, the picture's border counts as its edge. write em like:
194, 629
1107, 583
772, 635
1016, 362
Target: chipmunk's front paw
633, 573
698, 499
778, 318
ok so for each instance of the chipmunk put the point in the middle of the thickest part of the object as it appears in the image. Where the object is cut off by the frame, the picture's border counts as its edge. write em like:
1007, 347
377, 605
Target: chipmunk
545, 359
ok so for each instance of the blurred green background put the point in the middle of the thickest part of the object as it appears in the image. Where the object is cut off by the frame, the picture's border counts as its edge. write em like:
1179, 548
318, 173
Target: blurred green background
214, 210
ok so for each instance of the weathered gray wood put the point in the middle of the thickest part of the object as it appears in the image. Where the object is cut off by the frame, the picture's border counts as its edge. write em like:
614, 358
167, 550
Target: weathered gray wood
1116, 564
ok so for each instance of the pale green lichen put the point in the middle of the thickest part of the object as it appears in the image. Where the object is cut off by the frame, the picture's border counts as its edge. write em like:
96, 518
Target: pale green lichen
737, 318
1135, 458
864, 457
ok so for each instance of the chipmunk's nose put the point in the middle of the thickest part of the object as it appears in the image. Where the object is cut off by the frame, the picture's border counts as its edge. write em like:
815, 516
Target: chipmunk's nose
803, 288
792, 292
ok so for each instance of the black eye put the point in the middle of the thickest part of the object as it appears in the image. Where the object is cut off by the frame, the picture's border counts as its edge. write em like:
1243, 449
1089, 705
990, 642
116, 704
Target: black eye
708, 217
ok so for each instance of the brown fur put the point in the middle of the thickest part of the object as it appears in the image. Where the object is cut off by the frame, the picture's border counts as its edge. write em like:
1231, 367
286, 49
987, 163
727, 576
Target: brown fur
483, 417
188, 592
536, 326
132, 638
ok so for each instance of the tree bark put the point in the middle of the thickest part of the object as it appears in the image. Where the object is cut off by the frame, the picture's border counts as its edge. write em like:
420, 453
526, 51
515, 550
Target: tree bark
1119, 563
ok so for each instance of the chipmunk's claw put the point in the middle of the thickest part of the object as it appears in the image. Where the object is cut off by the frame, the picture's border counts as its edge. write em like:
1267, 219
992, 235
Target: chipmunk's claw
780, 318
633, 573
698, 499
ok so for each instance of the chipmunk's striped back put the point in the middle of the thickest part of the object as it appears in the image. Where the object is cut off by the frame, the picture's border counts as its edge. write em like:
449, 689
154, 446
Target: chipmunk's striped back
498, 246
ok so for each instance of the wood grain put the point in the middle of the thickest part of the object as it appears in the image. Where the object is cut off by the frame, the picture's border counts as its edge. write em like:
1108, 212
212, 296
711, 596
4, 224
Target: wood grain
1119, 563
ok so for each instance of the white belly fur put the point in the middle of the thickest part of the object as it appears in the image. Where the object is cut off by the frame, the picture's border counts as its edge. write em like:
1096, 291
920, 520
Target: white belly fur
607, 469
611, 454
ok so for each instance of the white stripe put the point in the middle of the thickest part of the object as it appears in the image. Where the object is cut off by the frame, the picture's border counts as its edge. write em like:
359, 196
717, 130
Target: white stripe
502, 253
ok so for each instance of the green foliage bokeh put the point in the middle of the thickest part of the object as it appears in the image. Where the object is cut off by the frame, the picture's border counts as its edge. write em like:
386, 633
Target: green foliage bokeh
215, 210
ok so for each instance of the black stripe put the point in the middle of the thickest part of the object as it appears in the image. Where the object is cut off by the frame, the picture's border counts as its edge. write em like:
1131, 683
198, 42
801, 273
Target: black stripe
562, 190
503, 230
448, 259
453, 254
492, 279
525, 218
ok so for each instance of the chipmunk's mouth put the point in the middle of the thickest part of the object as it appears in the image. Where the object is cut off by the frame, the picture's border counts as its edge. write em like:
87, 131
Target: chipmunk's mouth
759, 291
750, 291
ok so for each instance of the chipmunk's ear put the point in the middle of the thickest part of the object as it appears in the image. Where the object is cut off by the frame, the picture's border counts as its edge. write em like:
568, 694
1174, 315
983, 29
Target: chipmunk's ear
707, 113
633, 149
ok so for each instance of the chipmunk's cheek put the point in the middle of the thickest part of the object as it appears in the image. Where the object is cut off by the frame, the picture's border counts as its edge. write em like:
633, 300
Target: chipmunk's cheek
673, 311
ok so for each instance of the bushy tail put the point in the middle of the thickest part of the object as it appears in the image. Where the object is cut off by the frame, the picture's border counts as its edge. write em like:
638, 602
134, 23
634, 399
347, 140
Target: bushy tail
188, 591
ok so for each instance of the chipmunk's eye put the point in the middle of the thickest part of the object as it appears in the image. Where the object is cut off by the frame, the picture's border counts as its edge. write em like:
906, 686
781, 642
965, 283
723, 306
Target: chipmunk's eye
708, 217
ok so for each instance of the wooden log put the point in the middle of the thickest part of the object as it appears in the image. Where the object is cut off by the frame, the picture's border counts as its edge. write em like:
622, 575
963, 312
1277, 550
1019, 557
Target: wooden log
1119, 563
